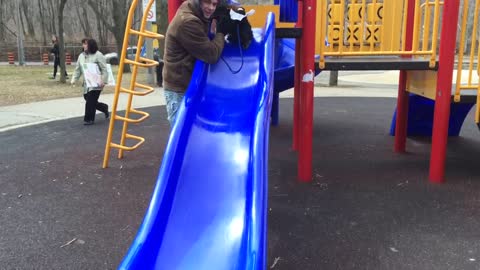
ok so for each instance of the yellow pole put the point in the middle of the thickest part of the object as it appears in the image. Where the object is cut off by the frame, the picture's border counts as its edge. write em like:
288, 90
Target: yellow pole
374, 22
404, 26
352, 26
362, 25
474, 38
461, 52
383, 24
416, 26
426, 27
319, 26
477, 115
394, 20
436, 22
322, 18
478, 61
342, 25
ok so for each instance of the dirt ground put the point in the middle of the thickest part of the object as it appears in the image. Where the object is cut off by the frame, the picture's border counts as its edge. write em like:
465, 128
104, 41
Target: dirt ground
32, 83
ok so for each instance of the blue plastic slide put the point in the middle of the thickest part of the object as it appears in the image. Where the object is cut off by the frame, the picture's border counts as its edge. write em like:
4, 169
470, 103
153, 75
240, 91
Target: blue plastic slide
209, 206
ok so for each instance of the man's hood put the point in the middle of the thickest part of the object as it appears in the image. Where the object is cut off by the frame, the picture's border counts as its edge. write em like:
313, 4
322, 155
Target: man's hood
195, 8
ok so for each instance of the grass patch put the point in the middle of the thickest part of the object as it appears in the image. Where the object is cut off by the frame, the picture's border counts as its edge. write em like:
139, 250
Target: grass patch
31, 83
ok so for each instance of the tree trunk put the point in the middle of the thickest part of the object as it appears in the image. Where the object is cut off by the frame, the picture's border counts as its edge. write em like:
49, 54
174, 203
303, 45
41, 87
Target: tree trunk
51, 9
21, 20
61, 44
120, 14
28, 18
83, 19
21, 51
2, 20
162, 23
101, 25
42, 21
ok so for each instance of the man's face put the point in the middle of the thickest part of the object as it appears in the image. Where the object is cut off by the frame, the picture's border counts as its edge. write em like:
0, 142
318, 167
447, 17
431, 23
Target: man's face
208, 7
85, 46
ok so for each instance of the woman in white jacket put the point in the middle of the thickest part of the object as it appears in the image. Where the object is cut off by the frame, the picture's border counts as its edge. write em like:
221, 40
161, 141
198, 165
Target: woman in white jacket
91, 90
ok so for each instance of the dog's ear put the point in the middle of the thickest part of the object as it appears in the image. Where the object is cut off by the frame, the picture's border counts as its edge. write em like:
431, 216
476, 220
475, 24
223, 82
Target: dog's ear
220, 12
239, 10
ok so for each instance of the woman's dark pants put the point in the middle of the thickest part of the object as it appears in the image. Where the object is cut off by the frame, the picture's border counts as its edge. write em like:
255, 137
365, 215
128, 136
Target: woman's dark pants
92, 105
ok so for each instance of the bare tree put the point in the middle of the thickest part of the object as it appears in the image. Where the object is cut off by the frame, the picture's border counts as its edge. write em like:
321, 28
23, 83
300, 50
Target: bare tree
27, 15
51, 14
61, 40
43, 23
2, 20
82, 14
119, 10
20, 47
101, 27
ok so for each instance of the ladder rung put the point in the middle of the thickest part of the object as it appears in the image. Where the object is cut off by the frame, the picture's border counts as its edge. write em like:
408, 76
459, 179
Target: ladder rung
138, 93
140, 140
148, 62
129, 120
146, 33
466, 87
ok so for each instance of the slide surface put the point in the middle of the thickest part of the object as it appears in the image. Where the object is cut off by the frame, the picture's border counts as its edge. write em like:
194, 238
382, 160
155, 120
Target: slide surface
209, 206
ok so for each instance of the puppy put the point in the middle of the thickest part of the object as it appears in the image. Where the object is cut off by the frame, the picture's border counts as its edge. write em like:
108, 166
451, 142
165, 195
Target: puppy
235, 21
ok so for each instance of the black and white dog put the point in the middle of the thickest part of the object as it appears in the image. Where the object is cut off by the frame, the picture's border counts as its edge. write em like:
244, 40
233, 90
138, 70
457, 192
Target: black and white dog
234, 20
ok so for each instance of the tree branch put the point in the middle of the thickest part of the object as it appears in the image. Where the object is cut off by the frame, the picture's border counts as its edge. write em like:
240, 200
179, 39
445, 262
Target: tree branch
95, 8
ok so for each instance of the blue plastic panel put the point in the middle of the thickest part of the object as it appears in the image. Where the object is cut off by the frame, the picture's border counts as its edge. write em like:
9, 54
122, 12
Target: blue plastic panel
420, 117
288, 10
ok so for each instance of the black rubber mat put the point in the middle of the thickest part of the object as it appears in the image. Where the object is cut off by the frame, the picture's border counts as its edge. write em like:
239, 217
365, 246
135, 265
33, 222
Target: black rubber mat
366, 208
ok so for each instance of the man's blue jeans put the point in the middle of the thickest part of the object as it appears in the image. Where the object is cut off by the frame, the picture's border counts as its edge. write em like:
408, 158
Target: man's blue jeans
173, 100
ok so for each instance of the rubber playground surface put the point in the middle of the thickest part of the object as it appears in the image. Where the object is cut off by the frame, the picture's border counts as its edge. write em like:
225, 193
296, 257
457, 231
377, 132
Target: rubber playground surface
366, 208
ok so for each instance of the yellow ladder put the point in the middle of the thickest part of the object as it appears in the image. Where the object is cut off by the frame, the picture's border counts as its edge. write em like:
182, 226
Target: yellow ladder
134, 86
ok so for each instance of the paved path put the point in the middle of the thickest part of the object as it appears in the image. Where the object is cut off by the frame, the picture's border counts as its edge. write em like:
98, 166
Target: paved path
350, 84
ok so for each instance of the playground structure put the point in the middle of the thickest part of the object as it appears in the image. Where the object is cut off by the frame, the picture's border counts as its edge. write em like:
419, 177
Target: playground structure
229, 203
374, 35
371, 35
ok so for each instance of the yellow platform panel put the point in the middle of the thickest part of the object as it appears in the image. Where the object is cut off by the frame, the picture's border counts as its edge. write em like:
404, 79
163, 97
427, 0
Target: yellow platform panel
354, 13
375, 12
359, 26
422, 82
373, 32
334, 13
258, 19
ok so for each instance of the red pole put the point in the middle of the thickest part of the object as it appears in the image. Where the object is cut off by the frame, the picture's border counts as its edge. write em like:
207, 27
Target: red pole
444, 85
402, 100
296, 93
402, 114
173, 5
297, 79
306, 97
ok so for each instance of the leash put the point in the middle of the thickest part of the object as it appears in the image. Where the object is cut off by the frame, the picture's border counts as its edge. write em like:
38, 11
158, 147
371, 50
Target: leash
241, 53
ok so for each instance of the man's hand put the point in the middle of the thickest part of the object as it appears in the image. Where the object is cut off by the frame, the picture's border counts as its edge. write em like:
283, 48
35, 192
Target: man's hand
213, 26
